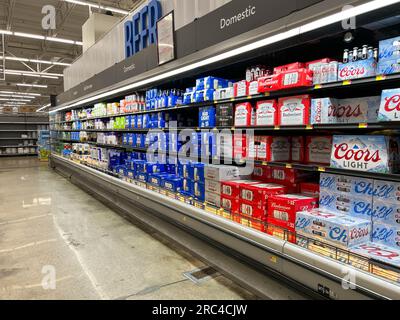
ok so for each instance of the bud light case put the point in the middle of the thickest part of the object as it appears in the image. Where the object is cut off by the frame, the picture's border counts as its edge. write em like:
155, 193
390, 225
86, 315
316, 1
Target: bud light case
365, 153
357, 70
390, 105
386, 234
339, 230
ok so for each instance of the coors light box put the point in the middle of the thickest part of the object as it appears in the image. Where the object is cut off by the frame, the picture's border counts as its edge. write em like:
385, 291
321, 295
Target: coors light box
390, 105
366, 153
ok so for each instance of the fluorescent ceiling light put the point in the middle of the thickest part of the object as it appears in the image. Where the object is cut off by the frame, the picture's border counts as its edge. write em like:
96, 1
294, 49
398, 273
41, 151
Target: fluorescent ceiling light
353, 12
40, 37
33, 74
44, 107
6, 32
60, 40
14, 100
21, 93
16, 96
31, 85
29, 35
94, 5
37, 61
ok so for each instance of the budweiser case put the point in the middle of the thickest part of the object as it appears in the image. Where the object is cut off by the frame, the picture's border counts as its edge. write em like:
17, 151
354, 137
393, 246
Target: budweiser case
298, 149
282, 209
230, 204
390, 105
259, 193
262, 173
273, 148
366, 153
232, 188
318, 150
340, 230
244, 115
266, 113
294, 110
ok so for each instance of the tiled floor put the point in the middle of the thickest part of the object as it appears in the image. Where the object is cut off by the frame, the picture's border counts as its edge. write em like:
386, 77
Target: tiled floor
51, 230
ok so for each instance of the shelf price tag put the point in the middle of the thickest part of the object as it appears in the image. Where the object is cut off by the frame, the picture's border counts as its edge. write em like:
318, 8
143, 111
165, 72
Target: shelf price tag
249, 97
380, 78
264, 163
321, 169
363, 125
289, 166
318, 86
309, 127
347, 82
273, 259
267, 94
277, 128
232, 99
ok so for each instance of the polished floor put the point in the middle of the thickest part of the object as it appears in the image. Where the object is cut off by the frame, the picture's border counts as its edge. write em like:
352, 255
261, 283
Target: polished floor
57, 242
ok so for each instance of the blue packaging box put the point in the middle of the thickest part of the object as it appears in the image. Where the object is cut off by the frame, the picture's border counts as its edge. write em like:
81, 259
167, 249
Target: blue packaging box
130, 174
142, 177
132, 139
211, 83
156, 179
183, 169
139, 122
152, 168
125, 139
386, 235
134, 122
139, 166
389, 66
146, 121
199, 191
172, 183
207, 117
187, 187
196, 171
389, 49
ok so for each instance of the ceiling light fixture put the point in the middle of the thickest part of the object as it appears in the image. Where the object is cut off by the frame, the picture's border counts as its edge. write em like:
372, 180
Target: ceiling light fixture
40, 37
21, 93
334, 18
31, 85
97, 6
44, 107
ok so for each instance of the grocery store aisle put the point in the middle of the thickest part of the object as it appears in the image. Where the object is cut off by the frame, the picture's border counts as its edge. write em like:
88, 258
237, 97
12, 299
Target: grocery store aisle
48, 225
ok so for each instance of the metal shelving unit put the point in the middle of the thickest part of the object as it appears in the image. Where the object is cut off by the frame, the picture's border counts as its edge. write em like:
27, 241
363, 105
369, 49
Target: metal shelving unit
13, 126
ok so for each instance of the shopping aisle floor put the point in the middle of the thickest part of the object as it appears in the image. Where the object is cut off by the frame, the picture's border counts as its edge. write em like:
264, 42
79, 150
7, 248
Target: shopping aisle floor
50, 229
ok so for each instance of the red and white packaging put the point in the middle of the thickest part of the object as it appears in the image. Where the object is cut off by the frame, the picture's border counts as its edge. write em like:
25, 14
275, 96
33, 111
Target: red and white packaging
253, 88
244, 114
296, 78
232, 188
230, 204
282, 209
294, 110
225, 146
310, 189
262, 173
289, 67
273, 148
266, 113
241, 88
318, 150
212, 186
269, 83
293, 176
254, 210
312, 64
240, 146
260, 193
298, 149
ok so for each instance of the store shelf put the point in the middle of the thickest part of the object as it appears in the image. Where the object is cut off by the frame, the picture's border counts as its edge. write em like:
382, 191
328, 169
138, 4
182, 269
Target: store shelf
18, 155
288, 260
15, 146
11, 138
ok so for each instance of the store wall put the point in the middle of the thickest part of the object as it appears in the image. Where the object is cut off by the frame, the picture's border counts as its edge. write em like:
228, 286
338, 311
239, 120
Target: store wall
110, 49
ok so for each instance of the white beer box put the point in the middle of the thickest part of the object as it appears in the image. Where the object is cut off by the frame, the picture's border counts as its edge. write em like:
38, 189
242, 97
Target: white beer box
213, 186
213, 199
386, 234
221, 173
378, 252
318, 150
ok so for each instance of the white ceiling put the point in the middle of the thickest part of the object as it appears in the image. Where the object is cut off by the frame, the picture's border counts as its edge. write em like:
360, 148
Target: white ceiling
26, 16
